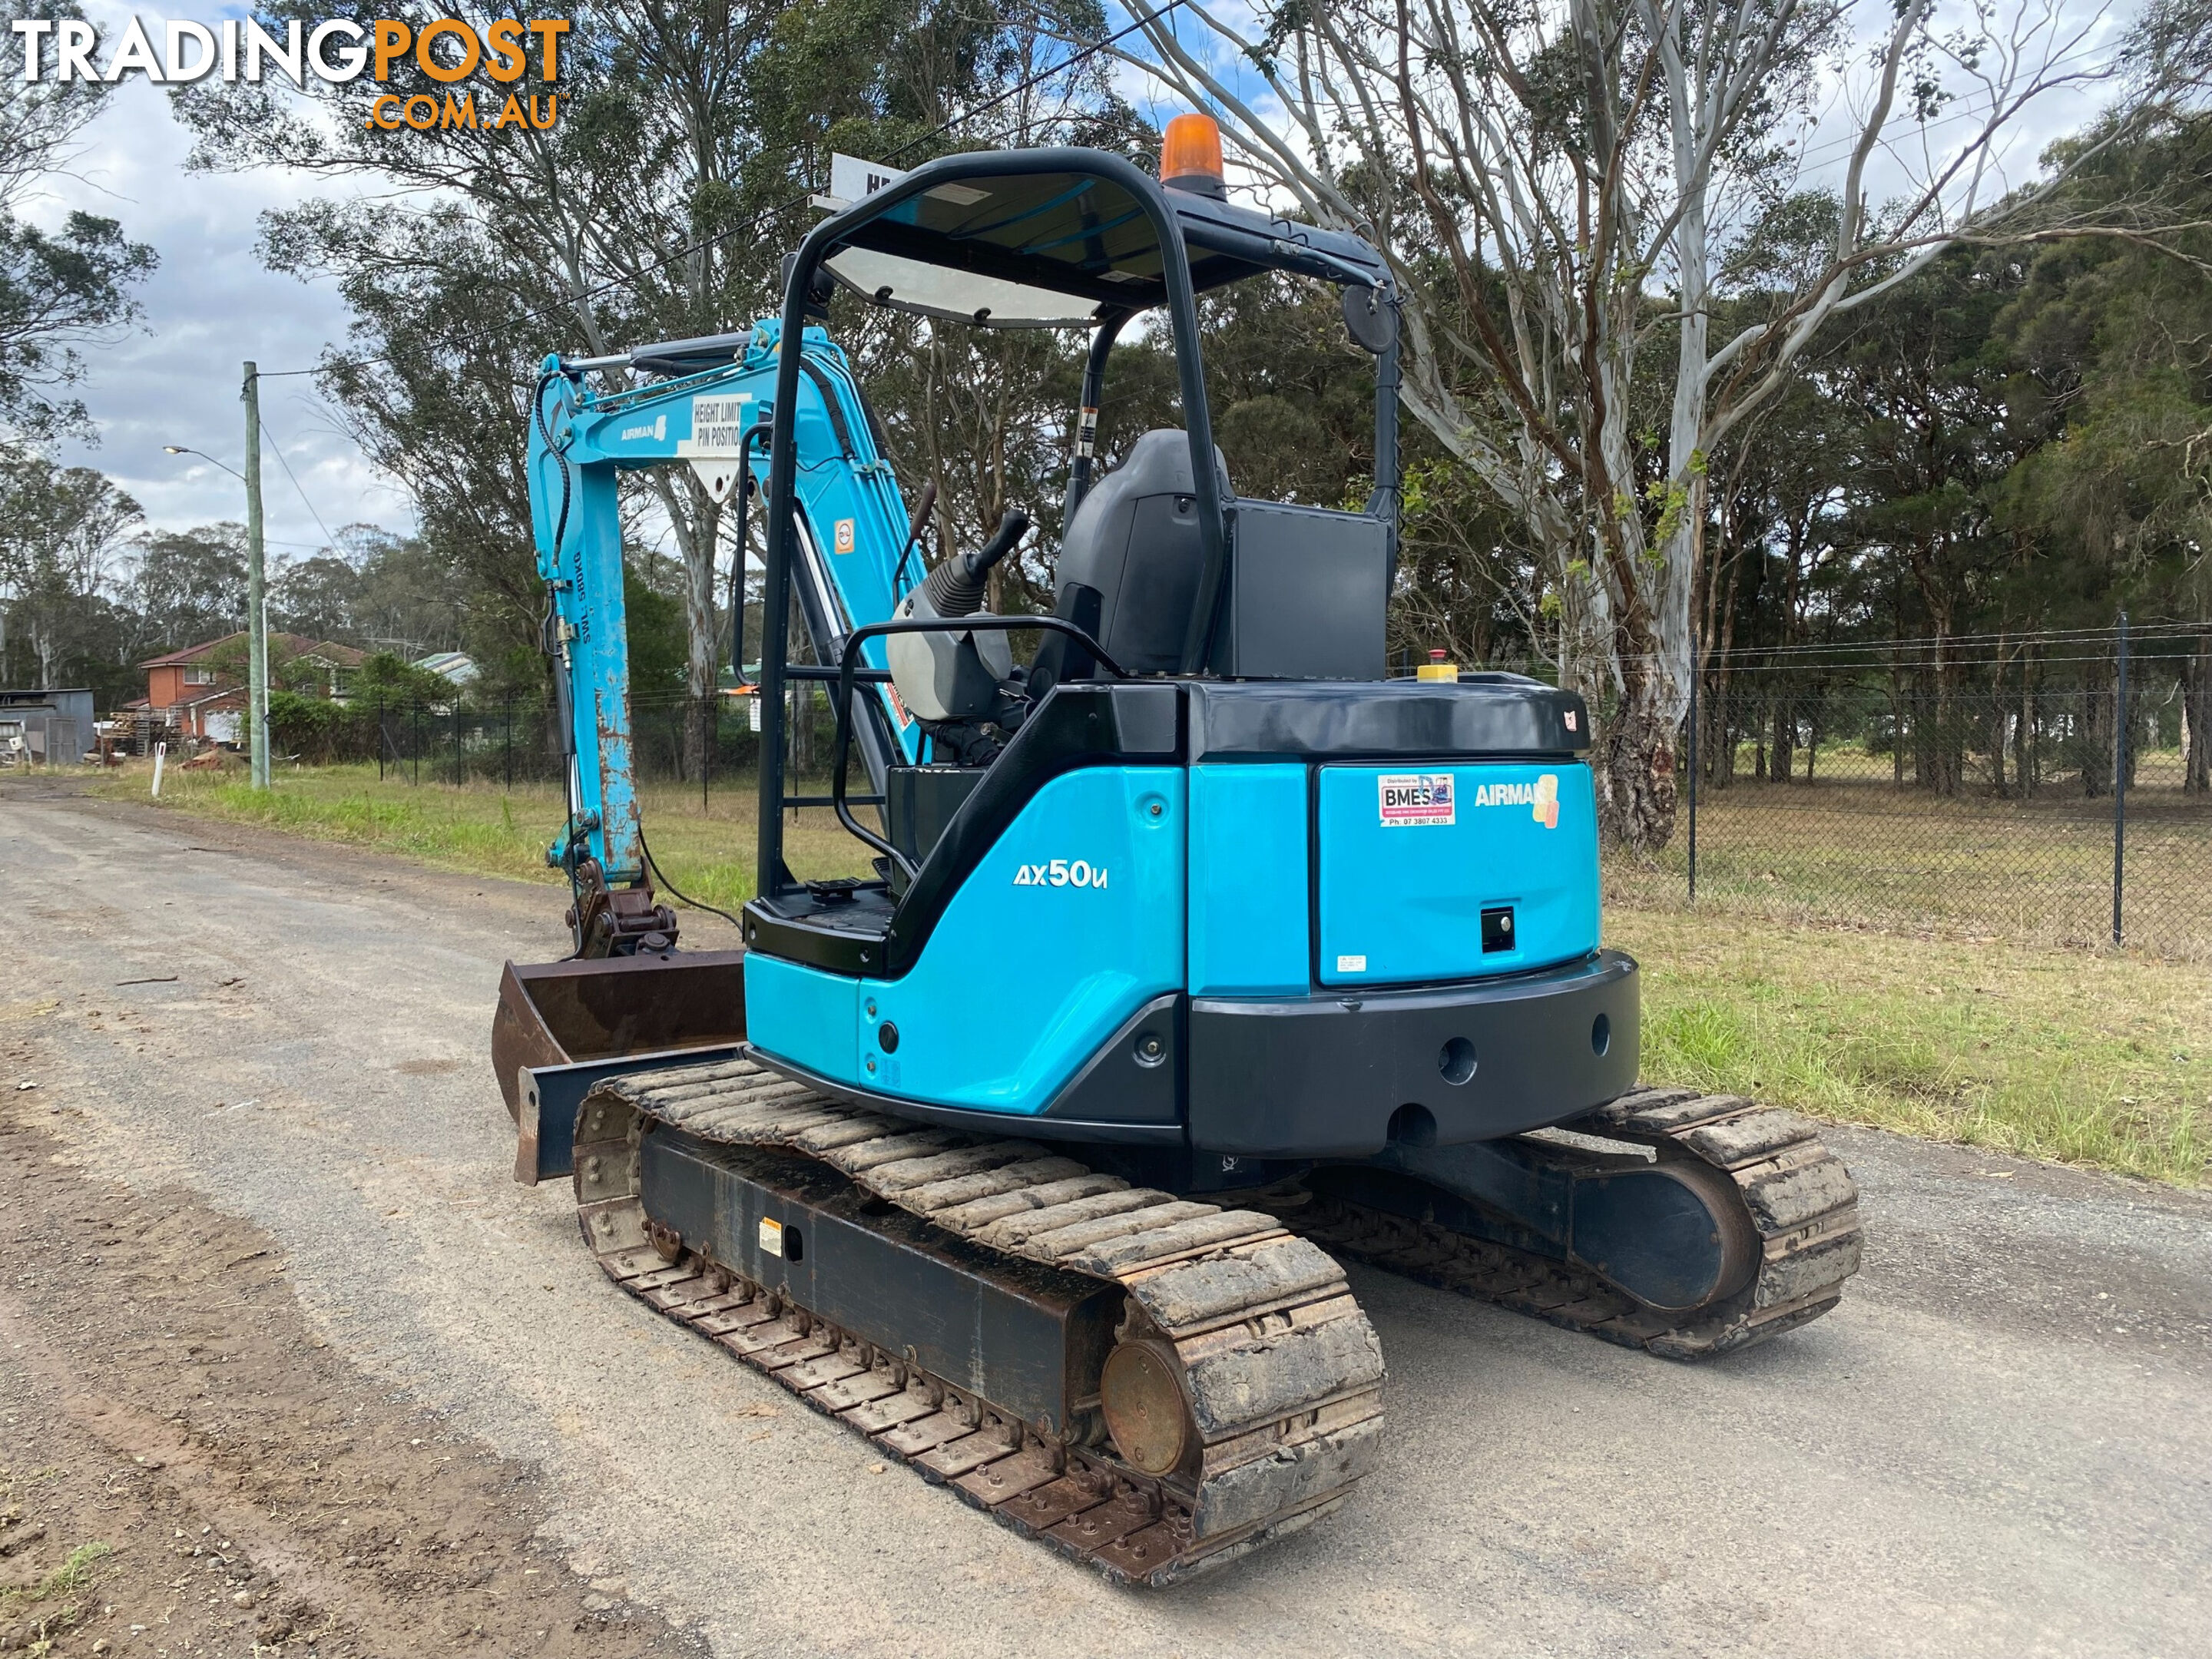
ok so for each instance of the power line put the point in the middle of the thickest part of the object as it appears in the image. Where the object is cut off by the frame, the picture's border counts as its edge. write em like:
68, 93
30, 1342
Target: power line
277, 444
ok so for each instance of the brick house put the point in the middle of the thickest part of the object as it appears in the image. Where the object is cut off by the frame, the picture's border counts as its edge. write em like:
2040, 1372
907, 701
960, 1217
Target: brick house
200, 691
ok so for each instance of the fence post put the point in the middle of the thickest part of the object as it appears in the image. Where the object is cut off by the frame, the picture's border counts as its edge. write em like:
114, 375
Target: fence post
507, 742
706, 747
381, 738
415, 728
1697, 673
2120, 779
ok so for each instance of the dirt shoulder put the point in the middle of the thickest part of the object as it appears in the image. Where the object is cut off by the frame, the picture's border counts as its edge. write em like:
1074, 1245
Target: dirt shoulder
185, 1467
345, 865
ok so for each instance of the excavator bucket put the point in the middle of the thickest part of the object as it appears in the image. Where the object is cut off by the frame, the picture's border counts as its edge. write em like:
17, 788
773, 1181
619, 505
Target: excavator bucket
561, 1026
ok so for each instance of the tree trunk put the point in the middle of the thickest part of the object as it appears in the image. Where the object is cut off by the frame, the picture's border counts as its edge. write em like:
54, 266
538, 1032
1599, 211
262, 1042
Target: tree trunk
1635, 770
1946, 743
2094, 741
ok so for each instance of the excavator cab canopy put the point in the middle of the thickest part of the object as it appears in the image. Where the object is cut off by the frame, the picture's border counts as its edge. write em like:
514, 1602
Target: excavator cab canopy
1064, 239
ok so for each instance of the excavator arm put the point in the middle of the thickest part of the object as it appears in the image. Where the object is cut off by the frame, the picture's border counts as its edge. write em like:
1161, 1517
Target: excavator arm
708, 405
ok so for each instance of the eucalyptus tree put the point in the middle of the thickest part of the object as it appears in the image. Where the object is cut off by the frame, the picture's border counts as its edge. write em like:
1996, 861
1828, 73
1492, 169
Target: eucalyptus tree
1571, 192
61, 532
60, 290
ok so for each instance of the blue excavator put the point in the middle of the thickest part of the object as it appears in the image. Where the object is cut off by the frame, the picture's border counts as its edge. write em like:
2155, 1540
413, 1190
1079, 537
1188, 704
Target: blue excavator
1200, 951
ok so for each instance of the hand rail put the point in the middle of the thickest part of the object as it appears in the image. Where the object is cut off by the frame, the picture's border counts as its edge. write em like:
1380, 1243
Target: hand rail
983, 620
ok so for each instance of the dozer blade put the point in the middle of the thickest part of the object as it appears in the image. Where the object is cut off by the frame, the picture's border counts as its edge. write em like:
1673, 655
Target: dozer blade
561, 1026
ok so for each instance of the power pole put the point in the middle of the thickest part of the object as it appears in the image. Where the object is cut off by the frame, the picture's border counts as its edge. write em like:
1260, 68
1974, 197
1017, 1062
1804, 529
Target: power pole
257, 618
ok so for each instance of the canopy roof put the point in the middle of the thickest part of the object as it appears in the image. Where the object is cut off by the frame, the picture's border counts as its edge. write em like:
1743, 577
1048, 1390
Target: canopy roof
1057, 239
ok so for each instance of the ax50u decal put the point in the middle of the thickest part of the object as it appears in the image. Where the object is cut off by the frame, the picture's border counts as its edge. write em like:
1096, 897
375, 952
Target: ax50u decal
1060, 872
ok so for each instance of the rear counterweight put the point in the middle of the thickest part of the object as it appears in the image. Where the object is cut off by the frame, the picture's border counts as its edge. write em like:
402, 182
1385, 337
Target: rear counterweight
1344, 1074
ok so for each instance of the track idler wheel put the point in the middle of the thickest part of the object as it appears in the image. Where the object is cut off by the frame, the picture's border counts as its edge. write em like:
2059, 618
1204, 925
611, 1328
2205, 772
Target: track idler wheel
1675, 1235
1141, 1395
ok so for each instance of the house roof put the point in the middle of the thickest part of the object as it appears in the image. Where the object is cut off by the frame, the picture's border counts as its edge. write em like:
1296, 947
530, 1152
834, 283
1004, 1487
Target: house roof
456, 665
291, 645
221, 694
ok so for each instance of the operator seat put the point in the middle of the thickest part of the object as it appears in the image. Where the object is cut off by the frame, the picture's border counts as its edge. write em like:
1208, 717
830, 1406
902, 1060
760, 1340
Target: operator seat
1129, 563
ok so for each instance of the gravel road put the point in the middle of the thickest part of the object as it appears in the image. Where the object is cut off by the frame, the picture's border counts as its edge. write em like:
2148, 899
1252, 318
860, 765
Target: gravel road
2000, 1443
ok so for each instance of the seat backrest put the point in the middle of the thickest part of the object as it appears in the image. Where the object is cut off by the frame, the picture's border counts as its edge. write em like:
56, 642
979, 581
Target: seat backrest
1130, 559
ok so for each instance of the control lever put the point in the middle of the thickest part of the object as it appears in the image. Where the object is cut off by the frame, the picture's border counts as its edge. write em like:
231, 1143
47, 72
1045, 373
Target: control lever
913, 528
954, 588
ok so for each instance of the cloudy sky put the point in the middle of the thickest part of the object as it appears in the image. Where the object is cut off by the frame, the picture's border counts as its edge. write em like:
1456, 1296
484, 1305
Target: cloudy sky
211, 305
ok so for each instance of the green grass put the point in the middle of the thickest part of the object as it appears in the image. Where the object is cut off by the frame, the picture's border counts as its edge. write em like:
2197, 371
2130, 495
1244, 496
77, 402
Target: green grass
49, 1604
489, 830
2103, 1060
2097, 1058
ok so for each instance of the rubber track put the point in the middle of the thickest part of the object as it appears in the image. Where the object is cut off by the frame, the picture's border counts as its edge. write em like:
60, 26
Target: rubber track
1283, 1372
1799, 1196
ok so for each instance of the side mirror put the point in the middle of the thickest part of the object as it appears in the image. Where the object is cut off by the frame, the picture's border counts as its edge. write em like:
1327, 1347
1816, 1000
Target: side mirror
1370, 319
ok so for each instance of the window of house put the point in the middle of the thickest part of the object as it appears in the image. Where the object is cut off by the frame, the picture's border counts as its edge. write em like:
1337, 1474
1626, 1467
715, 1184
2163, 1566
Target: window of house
199, 677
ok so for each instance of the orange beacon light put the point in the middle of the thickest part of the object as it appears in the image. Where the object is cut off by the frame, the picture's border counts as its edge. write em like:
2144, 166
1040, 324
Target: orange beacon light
1190, 156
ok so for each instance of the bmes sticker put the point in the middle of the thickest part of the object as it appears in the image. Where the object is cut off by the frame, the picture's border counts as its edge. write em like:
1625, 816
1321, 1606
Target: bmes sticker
1414, 798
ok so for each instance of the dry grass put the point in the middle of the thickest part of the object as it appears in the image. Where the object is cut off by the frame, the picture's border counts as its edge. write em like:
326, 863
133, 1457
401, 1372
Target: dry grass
2100, 1058
1861, 853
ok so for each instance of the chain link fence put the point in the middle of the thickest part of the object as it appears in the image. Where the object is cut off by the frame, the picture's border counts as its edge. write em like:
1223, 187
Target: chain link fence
711, 742
2051, 790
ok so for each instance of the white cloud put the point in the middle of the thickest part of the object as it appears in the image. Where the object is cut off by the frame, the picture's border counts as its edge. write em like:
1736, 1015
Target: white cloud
175, 380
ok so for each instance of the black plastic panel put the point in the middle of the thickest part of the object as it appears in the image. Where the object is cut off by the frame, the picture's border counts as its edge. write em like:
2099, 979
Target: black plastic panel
1323, 1077
1307, 592
920, 800
1136, 1076
845, 936
1498, 715
1046, 1126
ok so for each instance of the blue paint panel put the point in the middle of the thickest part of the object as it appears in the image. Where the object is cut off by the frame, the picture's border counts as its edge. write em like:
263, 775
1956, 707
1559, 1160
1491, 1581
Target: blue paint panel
1249, 934
1024, 979
803, 1015
1408, 896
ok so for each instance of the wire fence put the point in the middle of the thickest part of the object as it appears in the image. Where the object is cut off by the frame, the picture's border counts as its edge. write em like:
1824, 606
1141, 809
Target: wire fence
711, 742
2052, 790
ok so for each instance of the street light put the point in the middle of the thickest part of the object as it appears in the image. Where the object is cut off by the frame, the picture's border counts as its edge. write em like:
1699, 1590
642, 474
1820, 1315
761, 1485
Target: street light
257, 619
180, 449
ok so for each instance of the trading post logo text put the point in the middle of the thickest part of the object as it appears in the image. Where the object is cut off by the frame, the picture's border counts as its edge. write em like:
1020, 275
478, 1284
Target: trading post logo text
337, 52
